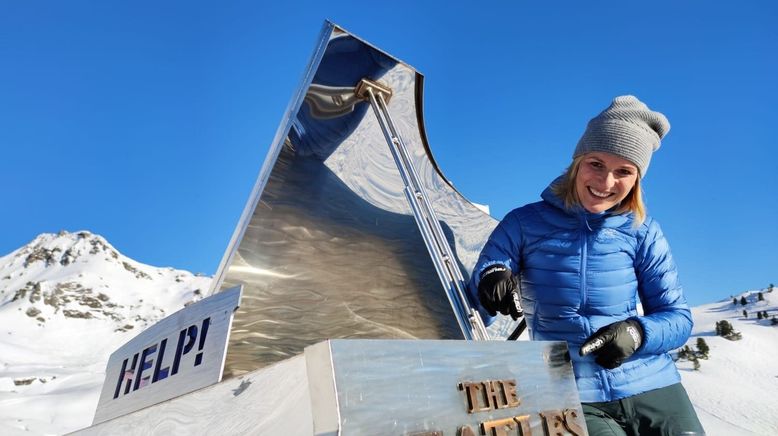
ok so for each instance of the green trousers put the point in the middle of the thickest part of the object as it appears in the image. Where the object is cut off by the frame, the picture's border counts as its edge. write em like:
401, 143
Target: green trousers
661, 412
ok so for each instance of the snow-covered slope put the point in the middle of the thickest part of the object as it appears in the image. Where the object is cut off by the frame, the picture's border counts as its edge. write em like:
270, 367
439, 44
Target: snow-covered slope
735, 391
67, 301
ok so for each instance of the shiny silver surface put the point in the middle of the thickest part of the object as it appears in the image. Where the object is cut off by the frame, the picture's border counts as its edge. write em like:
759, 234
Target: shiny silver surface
327, 246
468, 318
381, 387
165, 361
271, 401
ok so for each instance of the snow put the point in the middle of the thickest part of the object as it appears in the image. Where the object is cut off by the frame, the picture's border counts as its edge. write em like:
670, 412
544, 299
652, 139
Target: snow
735, 391
67, 301
52, 364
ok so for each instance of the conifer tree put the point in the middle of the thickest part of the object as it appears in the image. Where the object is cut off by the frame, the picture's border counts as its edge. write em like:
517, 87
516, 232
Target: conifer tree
724, 328
745, 313
743, 301
759, 315
702, 348
734, 301
720, 328
761, 297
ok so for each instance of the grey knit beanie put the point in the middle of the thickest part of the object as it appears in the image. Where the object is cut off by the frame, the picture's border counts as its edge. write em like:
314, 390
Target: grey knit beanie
628, 129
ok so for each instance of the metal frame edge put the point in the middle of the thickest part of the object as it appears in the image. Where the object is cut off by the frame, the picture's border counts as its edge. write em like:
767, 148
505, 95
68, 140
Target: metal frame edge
283, 130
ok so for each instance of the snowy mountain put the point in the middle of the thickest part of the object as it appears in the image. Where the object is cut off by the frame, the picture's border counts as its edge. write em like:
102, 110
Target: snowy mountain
67, 301
735, 390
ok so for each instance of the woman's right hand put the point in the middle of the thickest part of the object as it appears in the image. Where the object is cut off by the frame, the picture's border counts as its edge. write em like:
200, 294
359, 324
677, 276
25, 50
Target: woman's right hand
498, 291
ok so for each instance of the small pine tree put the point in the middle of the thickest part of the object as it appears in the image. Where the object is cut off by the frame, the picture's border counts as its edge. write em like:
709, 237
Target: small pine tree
734, 301
745, 313
743, 301
689, 355
723, 328
702, 348
761, 296
770, 288
759, 315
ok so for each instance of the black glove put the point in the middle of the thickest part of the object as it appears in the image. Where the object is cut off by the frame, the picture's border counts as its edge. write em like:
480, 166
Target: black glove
498, 291
614, 343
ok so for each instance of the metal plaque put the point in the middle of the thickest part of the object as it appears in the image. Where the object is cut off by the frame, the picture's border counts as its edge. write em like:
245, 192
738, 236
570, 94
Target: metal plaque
327, 246
401, 387
179, 354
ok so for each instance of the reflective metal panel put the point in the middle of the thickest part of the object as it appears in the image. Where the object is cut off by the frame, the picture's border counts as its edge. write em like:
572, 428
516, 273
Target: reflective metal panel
327, 246
379, 387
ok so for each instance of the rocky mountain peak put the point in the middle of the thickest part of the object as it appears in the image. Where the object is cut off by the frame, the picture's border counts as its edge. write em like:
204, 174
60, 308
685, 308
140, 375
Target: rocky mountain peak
64, 248
80, 275
67, 301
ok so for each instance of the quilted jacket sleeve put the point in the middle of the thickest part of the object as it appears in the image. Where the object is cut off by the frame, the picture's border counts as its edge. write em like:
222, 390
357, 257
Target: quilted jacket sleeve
667, 321
502, 247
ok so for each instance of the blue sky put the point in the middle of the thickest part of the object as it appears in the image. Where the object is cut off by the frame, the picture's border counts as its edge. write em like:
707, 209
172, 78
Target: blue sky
147, 122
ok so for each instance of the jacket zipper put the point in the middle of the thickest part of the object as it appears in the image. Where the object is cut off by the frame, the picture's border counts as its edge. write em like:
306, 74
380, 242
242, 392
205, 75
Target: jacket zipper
584, 253
584, 250
589, 331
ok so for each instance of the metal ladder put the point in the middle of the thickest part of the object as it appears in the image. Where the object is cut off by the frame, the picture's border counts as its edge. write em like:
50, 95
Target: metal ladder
468, 318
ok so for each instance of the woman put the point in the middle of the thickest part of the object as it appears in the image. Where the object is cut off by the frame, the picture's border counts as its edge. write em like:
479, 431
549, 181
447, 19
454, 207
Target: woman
581, 259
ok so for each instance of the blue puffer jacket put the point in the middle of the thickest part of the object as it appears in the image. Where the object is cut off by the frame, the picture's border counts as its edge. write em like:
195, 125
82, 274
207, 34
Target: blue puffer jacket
581, 271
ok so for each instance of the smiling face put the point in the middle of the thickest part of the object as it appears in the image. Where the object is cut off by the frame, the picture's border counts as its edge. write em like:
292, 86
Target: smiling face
603, 181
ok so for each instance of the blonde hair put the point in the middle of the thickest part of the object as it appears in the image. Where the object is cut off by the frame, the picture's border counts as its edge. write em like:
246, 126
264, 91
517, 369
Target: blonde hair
565, 190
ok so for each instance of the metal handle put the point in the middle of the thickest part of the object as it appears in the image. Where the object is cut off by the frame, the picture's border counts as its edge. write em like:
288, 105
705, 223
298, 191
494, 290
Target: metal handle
468, 318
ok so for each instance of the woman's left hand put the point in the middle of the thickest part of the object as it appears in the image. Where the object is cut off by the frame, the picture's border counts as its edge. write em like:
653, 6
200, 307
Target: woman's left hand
614, 343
